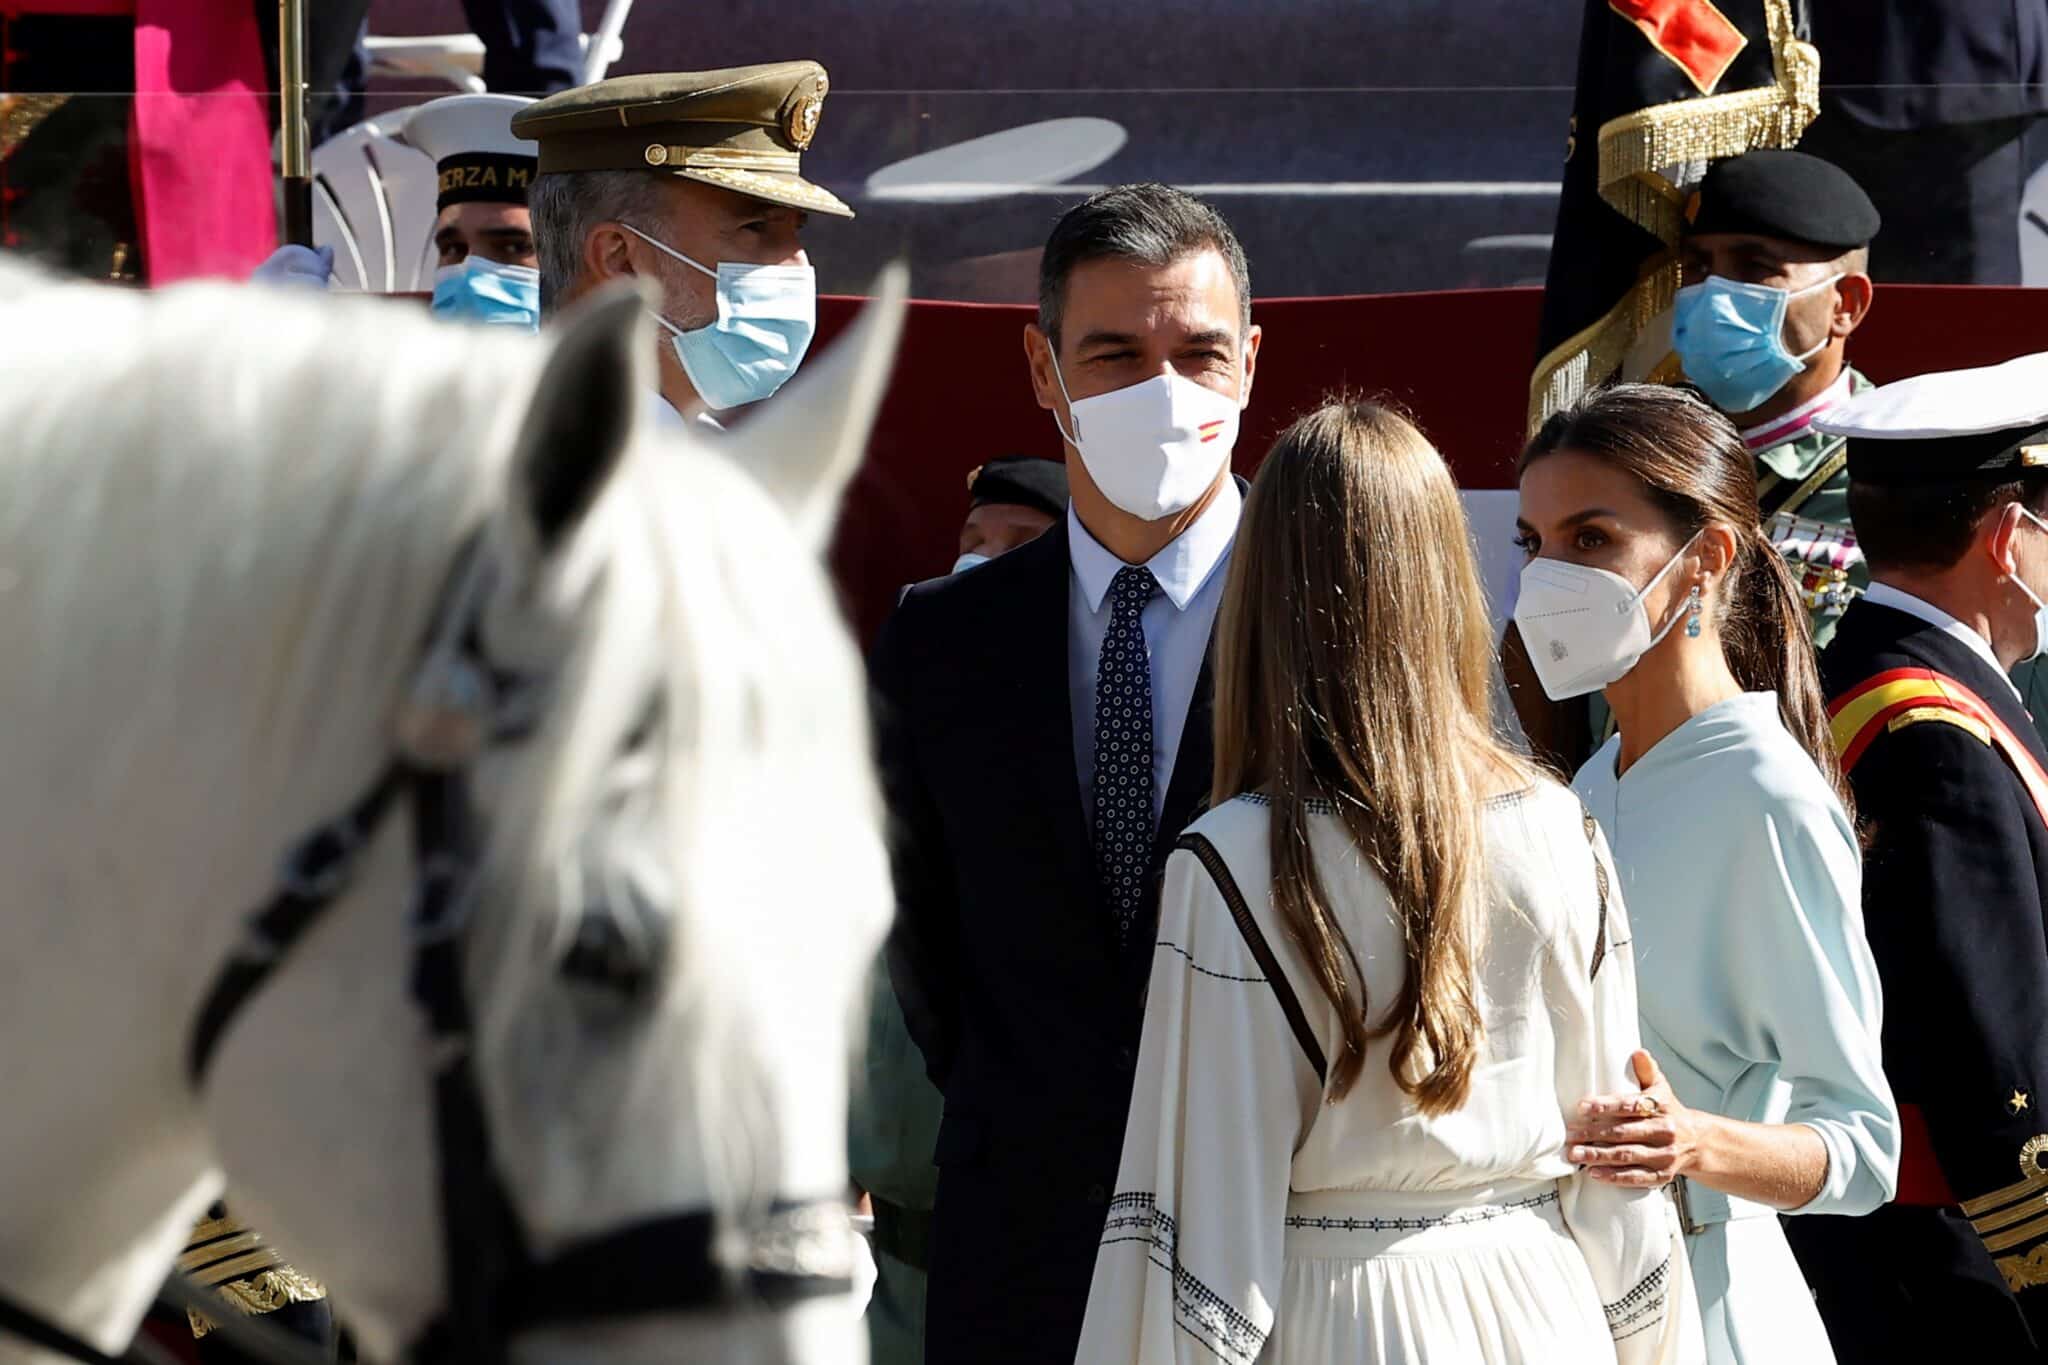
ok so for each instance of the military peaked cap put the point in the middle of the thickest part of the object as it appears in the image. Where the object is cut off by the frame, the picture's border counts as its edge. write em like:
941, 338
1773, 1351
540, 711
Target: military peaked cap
1986, 423
743, 129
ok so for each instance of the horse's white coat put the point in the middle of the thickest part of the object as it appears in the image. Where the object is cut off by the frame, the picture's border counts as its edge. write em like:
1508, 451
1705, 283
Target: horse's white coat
225, 514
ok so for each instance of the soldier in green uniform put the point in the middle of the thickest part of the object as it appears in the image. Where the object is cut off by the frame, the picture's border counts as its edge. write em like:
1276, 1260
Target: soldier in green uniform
1012, 500
1775, 260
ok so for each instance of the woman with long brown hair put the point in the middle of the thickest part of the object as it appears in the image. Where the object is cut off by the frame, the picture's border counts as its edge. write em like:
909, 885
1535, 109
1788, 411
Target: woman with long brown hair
1729, 820
1388, 956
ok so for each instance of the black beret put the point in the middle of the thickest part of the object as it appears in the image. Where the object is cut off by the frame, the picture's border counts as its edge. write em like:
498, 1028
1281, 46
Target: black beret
1789, 195
1022, 480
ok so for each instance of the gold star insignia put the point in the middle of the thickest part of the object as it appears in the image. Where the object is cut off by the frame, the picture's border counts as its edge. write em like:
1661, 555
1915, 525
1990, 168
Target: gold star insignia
2018, 1102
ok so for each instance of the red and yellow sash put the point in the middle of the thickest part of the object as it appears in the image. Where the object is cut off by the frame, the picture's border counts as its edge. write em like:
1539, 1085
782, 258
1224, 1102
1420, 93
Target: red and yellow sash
1904, 696
1878, 705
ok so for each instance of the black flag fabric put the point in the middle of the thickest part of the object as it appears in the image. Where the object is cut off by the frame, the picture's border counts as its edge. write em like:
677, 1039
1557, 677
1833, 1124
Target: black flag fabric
1664, 88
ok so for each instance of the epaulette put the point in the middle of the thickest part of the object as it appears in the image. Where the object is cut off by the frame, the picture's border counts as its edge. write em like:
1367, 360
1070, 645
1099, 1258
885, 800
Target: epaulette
251, 1277
2014, 1220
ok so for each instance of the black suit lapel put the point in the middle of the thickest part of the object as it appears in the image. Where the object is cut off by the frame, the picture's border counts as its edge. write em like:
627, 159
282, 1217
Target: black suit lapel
1042, 698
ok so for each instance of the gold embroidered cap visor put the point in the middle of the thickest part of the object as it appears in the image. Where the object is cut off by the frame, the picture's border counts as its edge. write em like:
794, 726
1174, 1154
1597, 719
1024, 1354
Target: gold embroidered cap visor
742, 129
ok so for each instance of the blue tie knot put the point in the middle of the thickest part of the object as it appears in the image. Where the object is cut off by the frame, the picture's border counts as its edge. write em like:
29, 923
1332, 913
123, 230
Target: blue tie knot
1132, 588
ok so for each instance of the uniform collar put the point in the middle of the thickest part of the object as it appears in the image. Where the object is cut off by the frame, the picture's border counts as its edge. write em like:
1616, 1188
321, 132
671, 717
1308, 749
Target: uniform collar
1181, 568
1788, 445
1885, 595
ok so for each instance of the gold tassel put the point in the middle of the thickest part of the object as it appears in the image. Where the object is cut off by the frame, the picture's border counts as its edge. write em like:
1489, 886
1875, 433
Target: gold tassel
1635, 151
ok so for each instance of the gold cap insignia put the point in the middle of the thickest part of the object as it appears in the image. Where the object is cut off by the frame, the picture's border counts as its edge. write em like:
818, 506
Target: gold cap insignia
2033, 457
656, 154
800, 120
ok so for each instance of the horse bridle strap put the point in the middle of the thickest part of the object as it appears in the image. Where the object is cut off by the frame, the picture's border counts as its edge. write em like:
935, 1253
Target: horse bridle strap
685, 1262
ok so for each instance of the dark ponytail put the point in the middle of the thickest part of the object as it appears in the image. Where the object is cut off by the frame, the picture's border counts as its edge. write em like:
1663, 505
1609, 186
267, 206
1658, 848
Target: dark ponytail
1695, 466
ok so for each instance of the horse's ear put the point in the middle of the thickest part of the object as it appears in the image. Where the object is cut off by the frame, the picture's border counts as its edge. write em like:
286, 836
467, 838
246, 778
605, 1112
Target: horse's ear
806, 443
583, 413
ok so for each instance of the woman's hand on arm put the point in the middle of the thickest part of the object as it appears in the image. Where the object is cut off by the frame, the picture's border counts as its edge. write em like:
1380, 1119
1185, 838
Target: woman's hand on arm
1650, 1139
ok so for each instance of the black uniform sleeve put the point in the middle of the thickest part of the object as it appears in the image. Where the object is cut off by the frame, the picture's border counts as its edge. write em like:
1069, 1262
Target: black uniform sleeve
1953, 909
923, 948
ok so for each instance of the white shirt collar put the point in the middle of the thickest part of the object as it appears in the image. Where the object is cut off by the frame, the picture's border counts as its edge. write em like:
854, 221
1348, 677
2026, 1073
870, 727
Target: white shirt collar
1885, 595
1181, 568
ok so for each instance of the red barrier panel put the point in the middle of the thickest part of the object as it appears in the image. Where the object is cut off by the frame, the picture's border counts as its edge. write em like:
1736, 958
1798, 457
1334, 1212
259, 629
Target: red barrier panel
1459, 361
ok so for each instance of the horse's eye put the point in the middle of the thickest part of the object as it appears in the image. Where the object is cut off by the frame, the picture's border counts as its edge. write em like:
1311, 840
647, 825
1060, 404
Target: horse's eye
606, 955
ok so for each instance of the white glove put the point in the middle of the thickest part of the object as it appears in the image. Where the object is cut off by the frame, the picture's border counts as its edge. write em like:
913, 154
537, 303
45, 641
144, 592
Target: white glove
298, 266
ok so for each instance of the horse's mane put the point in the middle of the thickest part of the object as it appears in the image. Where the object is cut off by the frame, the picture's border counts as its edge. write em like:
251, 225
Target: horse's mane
223, 481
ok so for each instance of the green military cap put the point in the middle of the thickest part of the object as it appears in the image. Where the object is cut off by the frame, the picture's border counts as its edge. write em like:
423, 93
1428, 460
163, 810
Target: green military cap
742, 129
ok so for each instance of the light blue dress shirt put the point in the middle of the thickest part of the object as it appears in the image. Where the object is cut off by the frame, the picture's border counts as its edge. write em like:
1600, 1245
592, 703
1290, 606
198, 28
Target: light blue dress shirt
1176, 623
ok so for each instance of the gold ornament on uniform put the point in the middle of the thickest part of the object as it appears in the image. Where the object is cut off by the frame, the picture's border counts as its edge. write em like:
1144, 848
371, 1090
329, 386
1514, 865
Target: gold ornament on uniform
2018, 1103
656, 154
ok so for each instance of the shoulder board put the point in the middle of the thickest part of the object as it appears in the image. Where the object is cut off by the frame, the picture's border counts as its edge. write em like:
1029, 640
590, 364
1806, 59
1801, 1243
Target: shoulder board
1947, 715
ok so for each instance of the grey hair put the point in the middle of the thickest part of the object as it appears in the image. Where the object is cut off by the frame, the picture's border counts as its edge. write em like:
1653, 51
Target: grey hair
1149, 223
566, 205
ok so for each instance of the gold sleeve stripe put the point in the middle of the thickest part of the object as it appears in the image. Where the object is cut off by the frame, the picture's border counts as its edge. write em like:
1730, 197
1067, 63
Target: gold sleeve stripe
198, 1258
2005, 1218
2025, 1232
1918, 714
209, 1228
261, 1259
1972, 1208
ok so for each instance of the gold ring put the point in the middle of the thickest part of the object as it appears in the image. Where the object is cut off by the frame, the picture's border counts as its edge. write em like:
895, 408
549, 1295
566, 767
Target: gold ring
1648, 1107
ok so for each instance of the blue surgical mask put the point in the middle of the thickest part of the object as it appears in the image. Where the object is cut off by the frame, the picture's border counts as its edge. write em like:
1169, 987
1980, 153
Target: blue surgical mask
1730, 337
477, 290
766, 317
968, 560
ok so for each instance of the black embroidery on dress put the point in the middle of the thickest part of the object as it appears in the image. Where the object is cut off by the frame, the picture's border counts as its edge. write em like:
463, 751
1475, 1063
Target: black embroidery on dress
1640, 1308
1479, 1213
1205, 1315
1315, 805
1220, 976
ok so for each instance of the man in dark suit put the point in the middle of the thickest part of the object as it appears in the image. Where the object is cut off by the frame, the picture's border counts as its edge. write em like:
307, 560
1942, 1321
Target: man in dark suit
1948, 493
1044, 728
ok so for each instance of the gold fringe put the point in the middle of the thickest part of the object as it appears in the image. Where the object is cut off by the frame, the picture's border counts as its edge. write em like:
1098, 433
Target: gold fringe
1635, 151
19, 115
260, 1294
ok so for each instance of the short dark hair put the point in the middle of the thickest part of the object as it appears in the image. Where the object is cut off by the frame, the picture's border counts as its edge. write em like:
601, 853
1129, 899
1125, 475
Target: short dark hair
1931, 525
1149, 223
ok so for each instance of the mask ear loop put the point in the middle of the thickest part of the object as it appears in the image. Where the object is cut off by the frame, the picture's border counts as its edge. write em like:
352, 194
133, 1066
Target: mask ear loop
1072, 440
1658, 577
1790, 295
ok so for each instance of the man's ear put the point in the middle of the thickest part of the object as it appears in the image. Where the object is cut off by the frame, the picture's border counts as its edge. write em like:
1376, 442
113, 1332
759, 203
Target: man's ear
2001, 527
607, 253
1854, 293
1252, 337
1038, 358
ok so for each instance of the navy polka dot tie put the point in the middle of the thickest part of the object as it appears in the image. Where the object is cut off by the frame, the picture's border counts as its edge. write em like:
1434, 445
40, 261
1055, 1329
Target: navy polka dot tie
1123, 748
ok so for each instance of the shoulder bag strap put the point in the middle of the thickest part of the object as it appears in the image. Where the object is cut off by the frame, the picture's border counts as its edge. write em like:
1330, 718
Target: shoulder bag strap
1255, 939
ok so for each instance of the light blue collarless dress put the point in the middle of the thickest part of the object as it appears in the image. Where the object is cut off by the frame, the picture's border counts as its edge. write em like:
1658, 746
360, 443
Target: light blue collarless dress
1758, 994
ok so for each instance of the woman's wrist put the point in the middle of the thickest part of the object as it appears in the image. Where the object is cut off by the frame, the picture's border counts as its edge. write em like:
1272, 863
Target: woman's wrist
1702, 1159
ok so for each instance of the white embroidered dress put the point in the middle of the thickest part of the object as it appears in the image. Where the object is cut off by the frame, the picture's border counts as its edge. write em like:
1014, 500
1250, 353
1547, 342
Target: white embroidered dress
1253, 1222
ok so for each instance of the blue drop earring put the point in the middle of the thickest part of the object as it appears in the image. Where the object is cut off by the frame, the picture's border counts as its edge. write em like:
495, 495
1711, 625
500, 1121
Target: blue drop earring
1692, 619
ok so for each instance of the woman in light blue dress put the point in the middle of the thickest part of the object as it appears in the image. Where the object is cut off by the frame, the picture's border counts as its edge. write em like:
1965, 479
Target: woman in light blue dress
1763, 1090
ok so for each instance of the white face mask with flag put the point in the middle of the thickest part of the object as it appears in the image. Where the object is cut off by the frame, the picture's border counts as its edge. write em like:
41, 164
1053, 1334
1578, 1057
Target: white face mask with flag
2040, 606
1584, 627
1155, 447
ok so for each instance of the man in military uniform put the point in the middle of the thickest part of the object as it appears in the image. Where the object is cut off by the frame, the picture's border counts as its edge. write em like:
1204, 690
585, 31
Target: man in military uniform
1948, 493
1775, 260
690, 180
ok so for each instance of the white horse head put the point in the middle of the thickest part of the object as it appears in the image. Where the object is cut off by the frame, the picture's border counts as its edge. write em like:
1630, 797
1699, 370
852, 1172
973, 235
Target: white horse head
227, 520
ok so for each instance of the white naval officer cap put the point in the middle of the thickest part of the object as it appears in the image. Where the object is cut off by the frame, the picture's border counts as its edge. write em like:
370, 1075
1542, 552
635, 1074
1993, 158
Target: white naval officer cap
1990, 422
476, 157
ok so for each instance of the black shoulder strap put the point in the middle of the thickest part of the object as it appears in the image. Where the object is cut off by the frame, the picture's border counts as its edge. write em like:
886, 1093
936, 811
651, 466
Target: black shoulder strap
1255, 939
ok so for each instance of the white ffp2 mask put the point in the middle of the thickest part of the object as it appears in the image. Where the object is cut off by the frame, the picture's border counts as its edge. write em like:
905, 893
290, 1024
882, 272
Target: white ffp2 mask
1153, 448
1585, 627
